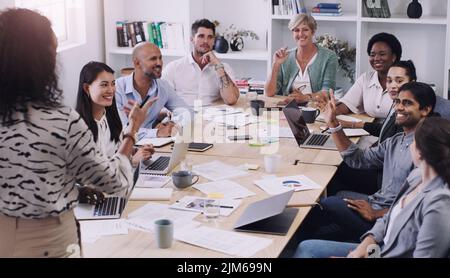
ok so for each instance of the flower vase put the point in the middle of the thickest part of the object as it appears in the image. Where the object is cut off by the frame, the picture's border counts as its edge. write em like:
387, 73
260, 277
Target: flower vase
221, 45
414, 9
237, 44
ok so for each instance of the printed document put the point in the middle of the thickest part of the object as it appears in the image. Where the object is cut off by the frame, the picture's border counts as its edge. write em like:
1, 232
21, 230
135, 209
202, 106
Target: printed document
92, 230
217, 170
229, 189
277, 186
231, 243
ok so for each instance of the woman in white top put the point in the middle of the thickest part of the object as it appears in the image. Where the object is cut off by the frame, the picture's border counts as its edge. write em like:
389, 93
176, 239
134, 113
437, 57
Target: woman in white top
97, 106
368, 94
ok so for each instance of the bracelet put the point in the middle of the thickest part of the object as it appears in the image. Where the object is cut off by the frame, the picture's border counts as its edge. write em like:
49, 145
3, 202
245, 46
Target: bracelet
335, 129
218, 66
131, 136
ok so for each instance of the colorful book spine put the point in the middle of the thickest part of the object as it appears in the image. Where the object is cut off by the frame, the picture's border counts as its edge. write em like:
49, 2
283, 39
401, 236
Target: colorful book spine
329, 5
324, 10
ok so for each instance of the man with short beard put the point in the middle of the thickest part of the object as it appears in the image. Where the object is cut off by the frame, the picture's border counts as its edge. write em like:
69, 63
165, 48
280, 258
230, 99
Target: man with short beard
348, 215
200, 75
145, 80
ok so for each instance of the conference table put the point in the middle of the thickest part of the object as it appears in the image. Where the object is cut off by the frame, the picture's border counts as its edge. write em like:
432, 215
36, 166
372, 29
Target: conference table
317, 165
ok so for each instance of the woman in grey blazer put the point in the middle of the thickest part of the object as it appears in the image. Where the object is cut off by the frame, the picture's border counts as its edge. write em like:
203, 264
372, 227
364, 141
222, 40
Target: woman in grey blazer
417, 224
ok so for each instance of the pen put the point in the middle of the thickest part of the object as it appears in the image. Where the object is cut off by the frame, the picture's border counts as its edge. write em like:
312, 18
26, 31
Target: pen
226, 207
325, 130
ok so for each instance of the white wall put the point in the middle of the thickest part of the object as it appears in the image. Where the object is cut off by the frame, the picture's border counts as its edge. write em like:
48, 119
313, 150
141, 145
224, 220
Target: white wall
71, 61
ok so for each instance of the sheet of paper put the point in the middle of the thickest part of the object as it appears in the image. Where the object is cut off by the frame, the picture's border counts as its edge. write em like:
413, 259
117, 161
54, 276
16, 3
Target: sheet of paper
229, 189
92, 230
231, 243
216, 170
143, 218
152, 181
280, 185
151, 194
237, 121
194, 203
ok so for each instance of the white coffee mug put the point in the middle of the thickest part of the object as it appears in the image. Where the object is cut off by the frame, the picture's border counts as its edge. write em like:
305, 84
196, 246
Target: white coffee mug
272, 163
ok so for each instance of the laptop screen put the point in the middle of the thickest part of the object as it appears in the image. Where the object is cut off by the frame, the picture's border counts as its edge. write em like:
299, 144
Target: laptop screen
296, 122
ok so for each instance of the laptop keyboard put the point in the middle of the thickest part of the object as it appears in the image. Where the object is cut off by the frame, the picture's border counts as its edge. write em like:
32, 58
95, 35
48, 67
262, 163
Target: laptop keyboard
160, 164
109, 206
317, 139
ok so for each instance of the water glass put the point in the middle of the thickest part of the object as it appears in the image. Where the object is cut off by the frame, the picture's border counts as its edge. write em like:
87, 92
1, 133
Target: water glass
211, 209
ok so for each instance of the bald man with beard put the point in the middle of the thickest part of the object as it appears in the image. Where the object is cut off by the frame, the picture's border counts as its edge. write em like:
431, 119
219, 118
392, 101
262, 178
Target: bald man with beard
145, 80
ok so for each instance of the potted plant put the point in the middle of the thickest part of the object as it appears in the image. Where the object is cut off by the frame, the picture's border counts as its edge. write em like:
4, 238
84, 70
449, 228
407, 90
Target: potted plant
345, 53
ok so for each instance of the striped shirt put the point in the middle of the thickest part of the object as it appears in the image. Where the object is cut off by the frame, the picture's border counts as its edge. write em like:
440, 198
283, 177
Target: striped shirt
43, 154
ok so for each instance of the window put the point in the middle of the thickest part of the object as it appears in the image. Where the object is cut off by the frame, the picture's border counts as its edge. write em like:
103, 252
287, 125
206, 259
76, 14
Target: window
67, 17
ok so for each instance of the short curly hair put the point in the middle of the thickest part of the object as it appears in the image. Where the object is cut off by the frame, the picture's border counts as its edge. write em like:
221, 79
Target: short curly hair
205, 23
390, 40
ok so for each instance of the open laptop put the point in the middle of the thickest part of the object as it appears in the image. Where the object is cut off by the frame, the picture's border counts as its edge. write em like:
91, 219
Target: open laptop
111, 207
304, 138
268, 216
161, 164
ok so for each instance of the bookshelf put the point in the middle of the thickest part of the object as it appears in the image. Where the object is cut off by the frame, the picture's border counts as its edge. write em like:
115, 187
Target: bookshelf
426, 40
252, 61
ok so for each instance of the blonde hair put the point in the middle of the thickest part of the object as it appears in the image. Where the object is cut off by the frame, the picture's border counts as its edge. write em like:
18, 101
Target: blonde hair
298, 19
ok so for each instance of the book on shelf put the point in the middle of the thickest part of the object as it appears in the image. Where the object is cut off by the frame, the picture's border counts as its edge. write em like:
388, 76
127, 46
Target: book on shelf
288, 7
326, 10
163, 34
329, 5
376, 9
327, 14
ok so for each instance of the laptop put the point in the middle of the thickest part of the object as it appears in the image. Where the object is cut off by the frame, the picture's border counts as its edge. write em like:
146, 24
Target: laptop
304, 138
268, 216
111, 207
161, 164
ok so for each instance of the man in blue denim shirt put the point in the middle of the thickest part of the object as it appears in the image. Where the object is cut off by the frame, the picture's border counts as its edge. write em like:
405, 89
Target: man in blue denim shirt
348, 215
145, 81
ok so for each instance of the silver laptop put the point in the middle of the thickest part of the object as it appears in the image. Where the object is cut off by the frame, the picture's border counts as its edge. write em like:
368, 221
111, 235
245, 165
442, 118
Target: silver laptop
268, 216
111, 207
304, 138
161, 164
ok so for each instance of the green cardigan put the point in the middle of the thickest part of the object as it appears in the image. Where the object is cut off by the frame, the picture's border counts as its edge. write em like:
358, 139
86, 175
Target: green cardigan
322, 73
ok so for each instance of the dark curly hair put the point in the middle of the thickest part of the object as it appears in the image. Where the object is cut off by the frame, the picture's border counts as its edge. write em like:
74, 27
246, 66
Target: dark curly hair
433, 141
28, 61
390, 40
205, 23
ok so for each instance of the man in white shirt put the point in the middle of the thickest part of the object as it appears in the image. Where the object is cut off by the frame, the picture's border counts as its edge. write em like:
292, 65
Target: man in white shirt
200, 75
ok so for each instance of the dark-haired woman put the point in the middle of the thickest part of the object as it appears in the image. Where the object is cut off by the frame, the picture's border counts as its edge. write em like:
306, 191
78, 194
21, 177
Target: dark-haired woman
96, 105
44, 146
368, 94
417, 224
